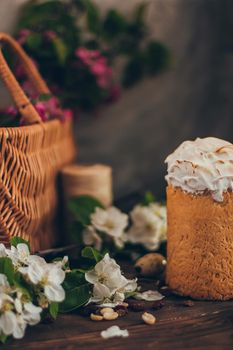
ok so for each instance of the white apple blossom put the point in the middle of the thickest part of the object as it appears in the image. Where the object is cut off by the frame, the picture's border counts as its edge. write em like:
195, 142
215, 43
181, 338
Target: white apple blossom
148, 226
8, 322
109, 285
2, 251
27, 314
91, 238
19, 327
15, 314
62, 263
20, 255
48, 276
112, 222
160, 211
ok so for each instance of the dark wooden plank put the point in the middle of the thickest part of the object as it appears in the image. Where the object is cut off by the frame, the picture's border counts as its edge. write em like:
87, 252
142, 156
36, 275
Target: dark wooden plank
206, 325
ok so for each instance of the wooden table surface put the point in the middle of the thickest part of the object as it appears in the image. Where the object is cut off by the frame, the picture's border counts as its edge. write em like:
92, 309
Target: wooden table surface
206, 325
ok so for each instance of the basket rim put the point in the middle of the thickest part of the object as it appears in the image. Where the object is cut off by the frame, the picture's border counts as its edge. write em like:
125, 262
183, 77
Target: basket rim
28, 128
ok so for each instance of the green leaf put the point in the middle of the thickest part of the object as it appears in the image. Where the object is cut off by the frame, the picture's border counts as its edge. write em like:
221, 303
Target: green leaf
114, 24
34, 41
82, 207
60, 49
44, 97
148, 198
130, 294
3, 338
157, 57
7, 268
91, 253
53, 310
16, 240
74, 279
93, 17
25, 288
75, 298
134, 70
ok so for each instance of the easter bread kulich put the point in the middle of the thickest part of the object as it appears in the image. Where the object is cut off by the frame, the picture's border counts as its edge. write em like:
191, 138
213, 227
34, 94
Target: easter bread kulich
200, 219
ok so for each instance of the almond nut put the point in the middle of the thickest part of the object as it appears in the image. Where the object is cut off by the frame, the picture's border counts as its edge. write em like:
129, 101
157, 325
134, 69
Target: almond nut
106, 309
148, 318
109, 316
95, 317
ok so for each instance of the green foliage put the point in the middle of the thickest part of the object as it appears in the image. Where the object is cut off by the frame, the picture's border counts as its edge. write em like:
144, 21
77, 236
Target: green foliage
61, 50
134, 70
3, 338
91, 253
157, 57
82, 207
148, 198
78, 291
53, 310
76, 298
57, 28
34, 41
7, 268
25, 288
14, 241
93, 17
114, 24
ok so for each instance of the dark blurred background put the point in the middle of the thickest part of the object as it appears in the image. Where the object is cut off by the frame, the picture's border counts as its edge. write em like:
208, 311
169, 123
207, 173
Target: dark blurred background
191, 99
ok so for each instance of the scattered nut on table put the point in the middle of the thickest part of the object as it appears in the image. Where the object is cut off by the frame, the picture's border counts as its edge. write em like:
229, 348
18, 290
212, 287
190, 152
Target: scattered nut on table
109, 316
95, 317
151, 265
106, 309
148, 318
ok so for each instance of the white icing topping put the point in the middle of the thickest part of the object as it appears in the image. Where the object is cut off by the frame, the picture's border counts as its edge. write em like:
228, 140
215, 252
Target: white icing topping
202, 164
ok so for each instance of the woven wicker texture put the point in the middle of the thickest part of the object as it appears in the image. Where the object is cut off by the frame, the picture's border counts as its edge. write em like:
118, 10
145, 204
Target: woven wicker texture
30, 159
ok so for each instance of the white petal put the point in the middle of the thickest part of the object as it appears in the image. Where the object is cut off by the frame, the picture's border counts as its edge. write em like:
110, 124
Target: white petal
55, 274
62, 262
131, 286
149, 295
32, 313
23, 270
13, 255
37, 260
36, 272
91, 237
5, 297
19, 328
3, 280
18, 305
114, 331
54, 292
2, 251
91, 277
8, 322
23, 250
31, 308
101, 292
107, 304
119, 297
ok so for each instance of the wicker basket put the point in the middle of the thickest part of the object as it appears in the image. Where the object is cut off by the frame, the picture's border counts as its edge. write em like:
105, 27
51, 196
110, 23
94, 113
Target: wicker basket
30, 159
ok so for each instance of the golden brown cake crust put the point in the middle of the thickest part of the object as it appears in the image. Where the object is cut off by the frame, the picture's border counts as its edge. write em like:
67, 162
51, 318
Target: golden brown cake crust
200, 245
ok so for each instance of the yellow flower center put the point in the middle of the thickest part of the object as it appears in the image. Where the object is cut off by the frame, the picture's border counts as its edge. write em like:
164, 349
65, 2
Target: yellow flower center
109, 224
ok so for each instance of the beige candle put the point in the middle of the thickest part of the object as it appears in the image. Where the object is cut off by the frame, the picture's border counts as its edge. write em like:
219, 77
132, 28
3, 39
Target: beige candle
94, 180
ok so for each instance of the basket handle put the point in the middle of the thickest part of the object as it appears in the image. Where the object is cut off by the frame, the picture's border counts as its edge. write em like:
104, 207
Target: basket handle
22, 102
